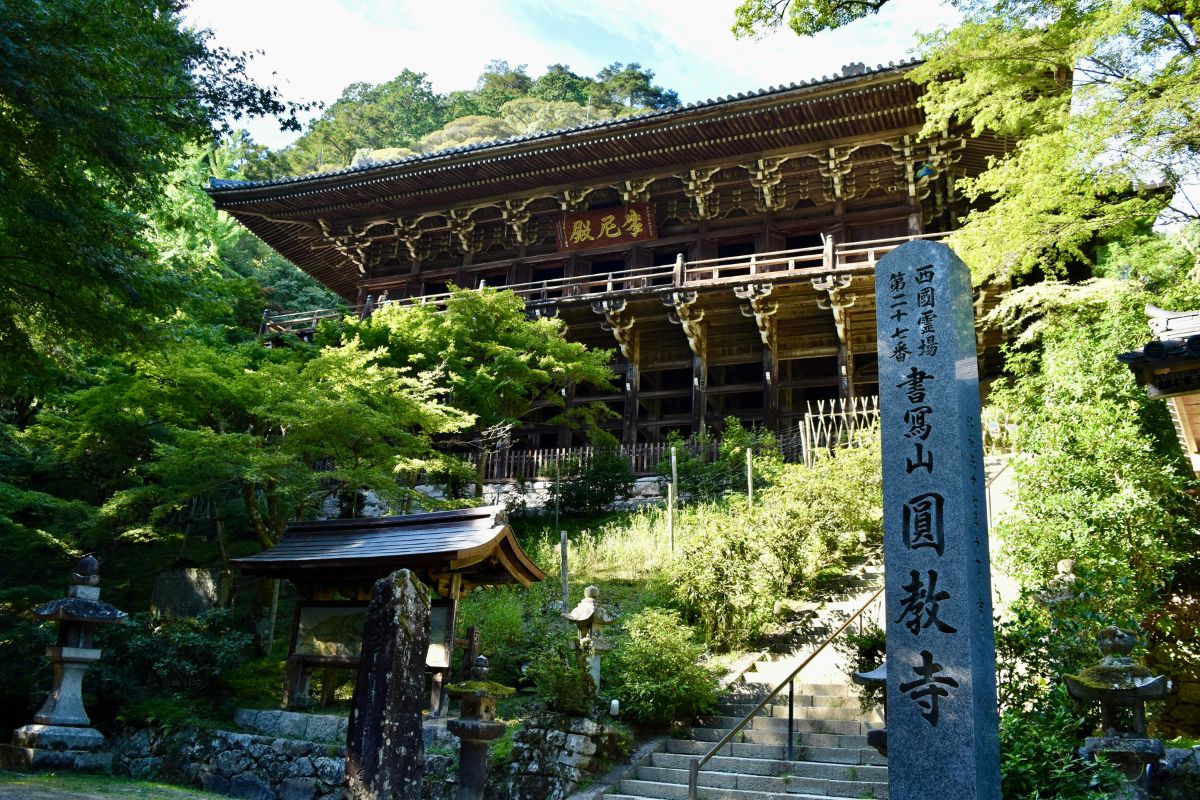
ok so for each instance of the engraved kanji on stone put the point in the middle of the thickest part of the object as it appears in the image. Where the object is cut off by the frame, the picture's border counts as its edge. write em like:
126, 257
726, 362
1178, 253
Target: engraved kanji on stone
900, 351
929, 687
923, 522
896, 282
928, 346
924, 460
925, 320
914, 384
918, 425
924, 275
926, 298
920, 606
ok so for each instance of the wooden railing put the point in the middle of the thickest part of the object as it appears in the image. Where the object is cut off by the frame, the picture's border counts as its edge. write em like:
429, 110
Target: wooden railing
782, 265
510, 464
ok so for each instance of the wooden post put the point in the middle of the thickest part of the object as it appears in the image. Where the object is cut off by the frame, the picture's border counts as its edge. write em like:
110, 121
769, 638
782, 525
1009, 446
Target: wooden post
566, 598
672, 498
749, 478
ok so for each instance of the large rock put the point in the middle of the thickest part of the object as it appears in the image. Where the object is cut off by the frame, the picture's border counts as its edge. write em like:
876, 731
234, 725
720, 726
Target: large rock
384, 748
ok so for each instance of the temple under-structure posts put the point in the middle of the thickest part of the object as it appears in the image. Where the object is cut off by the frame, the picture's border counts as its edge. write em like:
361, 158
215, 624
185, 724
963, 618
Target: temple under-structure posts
725, 250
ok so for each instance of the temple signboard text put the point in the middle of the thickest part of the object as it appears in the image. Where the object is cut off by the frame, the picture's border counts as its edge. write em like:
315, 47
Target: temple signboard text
605, 227
942, 726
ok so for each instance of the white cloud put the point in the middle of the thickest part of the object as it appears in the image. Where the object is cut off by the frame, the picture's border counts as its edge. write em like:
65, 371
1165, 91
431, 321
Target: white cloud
316, 49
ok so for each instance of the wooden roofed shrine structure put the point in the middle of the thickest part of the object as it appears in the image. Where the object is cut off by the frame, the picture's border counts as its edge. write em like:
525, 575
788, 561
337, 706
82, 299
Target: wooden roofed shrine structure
335, 563
725, 249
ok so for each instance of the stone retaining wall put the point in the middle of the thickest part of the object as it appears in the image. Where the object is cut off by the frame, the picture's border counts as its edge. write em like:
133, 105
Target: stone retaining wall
553, 754
252, 766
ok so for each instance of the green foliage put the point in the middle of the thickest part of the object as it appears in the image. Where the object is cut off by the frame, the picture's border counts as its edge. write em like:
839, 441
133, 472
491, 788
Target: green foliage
589, 486
1038, 758
25, 674
99, 99
705, 477
735, 564
1103, 482
657, 672
864, 651
1103, 98
560, 673
152, 666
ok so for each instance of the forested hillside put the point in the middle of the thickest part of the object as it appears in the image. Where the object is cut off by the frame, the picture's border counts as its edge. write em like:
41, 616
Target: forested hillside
405, 117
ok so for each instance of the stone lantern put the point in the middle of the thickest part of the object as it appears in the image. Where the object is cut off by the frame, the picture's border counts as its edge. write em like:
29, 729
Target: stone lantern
60, 736
591, 618
475, 727
1117, 682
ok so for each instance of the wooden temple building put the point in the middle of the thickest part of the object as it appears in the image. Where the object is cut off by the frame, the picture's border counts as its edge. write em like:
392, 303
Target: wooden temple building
725, 249
335, 563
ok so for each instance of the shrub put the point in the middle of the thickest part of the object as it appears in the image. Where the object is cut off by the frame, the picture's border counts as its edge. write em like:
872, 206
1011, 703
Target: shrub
864, 652
513, 624
1038, 758
563, 681
703, 476
588, 486
656, 671
148, 662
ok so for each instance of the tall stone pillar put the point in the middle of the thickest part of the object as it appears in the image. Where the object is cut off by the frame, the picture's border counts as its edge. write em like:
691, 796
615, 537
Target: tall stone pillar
384, 748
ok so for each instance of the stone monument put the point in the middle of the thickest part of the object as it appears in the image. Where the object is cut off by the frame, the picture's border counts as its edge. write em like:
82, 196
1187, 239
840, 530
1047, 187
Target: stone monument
384, 748
476, 726
942, 723
591, 618
60, 736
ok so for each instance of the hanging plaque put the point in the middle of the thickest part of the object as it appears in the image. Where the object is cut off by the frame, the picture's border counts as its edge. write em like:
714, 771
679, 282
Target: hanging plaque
605, 227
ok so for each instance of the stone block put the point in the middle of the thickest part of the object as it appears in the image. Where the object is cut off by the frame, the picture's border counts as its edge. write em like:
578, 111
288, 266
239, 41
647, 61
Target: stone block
292, 725
58, 737
213, 782
246, 718
297, 789
144, 768
301, 768
585, 726
267, 723
578, 743
330, 770
324, 728
249, 787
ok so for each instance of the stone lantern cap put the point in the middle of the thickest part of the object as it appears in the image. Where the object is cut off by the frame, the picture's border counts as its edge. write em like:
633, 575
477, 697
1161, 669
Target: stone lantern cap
82, 603
589, 611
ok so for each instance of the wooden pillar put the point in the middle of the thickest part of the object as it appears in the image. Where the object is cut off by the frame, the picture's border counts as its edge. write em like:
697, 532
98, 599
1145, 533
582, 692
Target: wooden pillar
699, 392
770, 393
633, 380
845, 366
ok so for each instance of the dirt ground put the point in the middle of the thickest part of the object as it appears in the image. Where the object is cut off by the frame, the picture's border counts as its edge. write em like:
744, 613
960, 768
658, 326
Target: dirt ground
15, 786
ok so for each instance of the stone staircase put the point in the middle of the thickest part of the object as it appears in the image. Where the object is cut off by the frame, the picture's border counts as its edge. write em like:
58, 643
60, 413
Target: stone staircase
831, 756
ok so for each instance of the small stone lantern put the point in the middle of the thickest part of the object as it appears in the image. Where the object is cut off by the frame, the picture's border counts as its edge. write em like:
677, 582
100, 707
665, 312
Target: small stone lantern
60, 736
591, 618
1117, 682
475, 727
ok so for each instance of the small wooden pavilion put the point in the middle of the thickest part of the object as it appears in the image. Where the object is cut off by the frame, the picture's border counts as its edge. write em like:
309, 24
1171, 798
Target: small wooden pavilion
335, 563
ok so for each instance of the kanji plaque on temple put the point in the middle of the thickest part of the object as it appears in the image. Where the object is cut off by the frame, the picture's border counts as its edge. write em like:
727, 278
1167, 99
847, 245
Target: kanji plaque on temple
942, 727
604, 227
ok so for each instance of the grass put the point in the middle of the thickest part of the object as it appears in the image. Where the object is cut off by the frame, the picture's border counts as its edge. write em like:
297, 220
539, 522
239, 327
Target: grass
71, 786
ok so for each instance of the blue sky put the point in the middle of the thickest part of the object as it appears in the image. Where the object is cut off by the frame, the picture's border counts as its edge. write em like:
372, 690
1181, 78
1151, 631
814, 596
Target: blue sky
315, 49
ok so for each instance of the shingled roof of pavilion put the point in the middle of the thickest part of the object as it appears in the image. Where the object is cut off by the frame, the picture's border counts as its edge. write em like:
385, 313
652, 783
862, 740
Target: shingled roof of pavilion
861, 102
476, 543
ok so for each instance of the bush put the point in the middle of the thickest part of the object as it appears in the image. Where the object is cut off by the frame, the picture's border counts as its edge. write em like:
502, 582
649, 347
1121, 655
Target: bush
656, 671
563, 680
1038, 758
864, 652
589, 486
705, 477
513, 625
150, 662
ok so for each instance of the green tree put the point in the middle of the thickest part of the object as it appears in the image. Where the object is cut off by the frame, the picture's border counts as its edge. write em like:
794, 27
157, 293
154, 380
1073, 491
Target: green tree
97, 100
1103, 95
629, 87
392, 114
560, 84
497, 364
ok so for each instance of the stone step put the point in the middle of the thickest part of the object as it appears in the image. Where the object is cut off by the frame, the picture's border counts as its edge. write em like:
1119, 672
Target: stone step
712, 779
828, 788
734, 749
678, 791
773, 745
775, 767
844, 712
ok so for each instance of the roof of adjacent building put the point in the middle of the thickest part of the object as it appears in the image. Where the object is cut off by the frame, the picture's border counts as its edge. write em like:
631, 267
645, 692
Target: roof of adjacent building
475, 542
